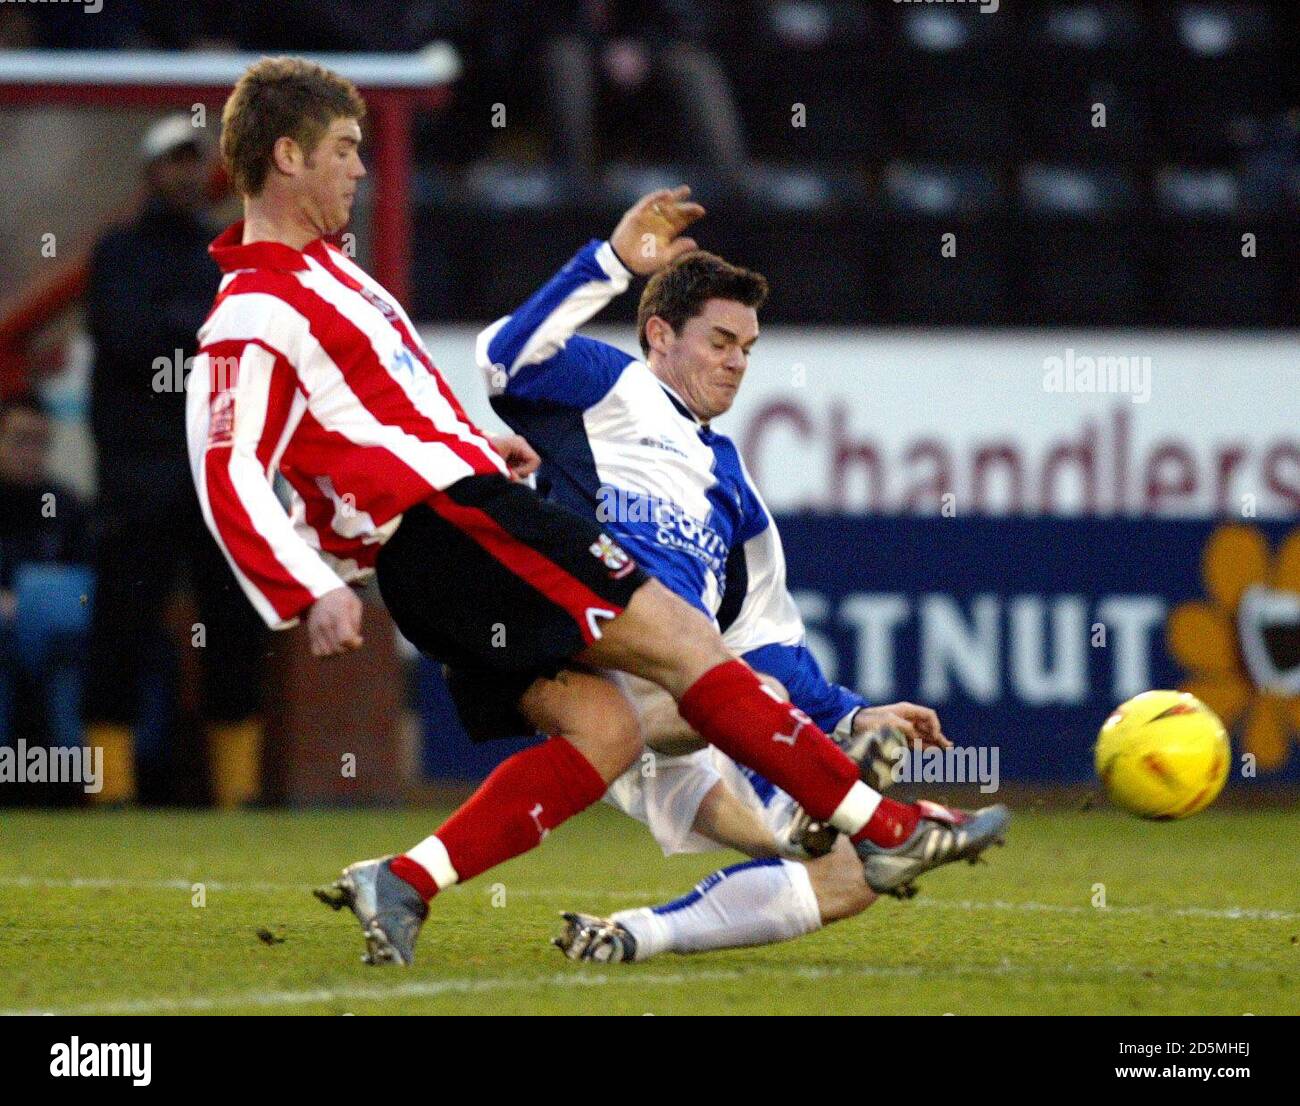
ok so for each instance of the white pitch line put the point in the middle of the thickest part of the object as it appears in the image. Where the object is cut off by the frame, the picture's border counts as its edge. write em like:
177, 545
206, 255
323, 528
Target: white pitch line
575, 980
98, 883
426, 989
1226, 913
105, 883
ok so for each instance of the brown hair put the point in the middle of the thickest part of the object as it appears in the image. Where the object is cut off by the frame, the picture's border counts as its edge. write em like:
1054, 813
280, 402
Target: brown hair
280, 98
679, 291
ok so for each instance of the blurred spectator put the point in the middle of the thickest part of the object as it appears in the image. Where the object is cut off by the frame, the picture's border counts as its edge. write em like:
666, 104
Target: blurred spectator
633, 48
45, 582
150, 287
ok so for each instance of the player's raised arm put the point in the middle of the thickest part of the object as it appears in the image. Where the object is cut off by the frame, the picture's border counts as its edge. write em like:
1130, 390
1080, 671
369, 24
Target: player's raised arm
238, 398
649, 236
534, 354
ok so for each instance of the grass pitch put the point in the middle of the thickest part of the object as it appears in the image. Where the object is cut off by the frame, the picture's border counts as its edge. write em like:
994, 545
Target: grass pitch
98, 915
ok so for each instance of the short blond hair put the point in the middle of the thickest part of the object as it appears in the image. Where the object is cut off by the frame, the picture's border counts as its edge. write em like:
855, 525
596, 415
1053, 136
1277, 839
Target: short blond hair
280, 98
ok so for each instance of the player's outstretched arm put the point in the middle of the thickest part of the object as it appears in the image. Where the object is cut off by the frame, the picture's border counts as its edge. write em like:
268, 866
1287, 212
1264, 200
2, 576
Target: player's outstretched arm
534, 353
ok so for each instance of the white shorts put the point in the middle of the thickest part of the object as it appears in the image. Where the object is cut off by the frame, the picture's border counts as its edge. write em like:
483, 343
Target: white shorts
665, 794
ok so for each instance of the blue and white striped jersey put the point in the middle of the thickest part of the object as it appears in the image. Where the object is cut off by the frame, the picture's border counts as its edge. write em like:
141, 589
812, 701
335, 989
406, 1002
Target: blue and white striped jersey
618, 444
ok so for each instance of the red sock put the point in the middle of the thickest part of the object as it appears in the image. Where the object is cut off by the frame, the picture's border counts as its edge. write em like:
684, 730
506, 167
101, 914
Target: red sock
890, 825
523, 799
403, 867
729, 707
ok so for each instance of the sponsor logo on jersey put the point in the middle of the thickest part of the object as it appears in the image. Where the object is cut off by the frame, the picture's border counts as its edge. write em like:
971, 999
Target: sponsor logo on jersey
403, 362
693, 536
663, 443
665, 523
379, 303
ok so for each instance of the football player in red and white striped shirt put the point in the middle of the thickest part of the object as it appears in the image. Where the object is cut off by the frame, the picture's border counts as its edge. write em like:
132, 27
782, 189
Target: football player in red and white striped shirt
309, 368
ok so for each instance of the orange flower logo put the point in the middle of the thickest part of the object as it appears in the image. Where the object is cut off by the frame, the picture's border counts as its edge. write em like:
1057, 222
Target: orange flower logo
1242, 646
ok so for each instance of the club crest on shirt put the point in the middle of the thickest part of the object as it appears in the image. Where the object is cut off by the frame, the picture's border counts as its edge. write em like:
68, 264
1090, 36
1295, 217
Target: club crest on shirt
606, 550
221, 419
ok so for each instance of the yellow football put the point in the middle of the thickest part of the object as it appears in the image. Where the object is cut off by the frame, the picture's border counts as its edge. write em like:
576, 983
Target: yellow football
1163, 754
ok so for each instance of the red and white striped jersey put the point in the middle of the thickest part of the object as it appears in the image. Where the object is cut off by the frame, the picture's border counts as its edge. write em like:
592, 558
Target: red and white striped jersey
309, 367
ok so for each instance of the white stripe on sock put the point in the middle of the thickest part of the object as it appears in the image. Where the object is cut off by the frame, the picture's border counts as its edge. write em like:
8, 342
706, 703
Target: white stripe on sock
431, 855
856, 808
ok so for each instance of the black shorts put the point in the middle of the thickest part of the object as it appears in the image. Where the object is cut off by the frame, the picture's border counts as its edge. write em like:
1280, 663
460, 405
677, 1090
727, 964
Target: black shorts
501, 586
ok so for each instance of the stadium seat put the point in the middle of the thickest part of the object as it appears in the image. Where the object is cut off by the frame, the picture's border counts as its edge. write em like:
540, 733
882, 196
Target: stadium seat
922, 204
1219, 63
437, 244
808, 232
1076, 57
950, 84
1202, 277
623, 183
824, 57
1289, 279
517, 223
1063, 124
505, 186
1073, 40
1081, 252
